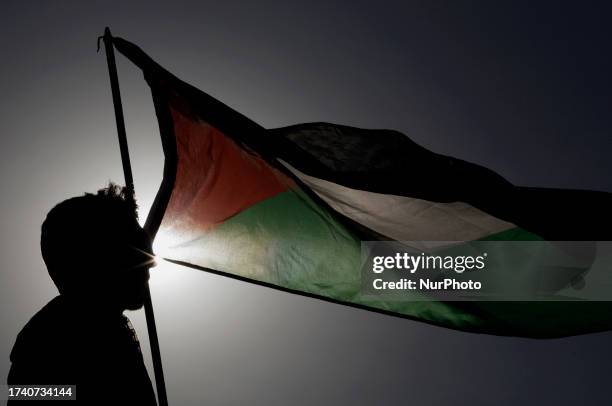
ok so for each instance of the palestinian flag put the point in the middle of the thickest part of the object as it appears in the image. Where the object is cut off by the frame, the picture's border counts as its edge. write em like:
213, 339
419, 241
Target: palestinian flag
288, 208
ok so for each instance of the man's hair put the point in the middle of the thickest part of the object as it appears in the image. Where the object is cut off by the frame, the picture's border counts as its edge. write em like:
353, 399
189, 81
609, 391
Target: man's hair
78, 228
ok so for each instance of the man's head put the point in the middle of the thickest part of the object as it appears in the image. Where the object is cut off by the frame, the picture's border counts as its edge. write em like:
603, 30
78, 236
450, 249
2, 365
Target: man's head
95, 249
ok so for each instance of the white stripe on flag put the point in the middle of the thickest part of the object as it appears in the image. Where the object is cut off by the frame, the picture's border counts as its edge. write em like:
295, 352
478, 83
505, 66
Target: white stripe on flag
406, 218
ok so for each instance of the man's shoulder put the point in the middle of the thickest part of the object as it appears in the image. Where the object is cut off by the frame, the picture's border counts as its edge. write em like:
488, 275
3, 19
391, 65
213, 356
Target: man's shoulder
41, 350
51, 327
62, 343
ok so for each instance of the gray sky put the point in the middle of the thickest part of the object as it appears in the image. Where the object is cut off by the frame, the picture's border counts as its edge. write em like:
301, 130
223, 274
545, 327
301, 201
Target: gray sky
523, 89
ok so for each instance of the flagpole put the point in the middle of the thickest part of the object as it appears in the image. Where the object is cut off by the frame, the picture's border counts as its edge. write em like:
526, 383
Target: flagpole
129, 183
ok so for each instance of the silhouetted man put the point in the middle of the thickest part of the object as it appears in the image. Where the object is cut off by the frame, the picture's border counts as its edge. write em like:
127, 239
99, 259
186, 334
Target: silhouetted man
99, 258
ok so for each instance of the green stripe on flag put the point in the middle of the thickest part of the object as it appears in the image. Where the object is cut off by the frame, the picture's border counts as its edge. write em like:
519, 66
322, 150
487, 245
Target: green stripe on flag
291, 242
